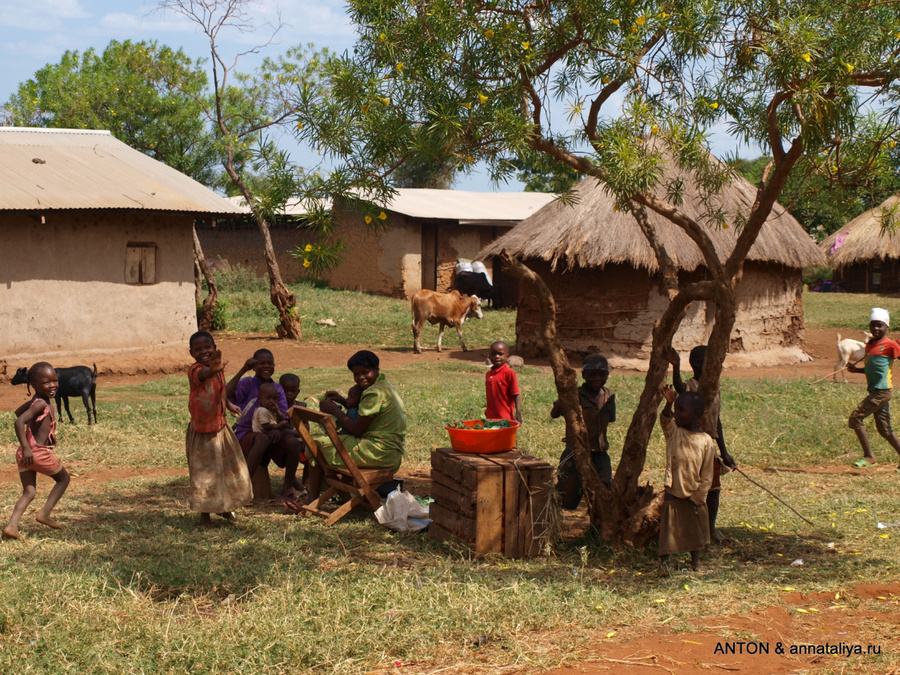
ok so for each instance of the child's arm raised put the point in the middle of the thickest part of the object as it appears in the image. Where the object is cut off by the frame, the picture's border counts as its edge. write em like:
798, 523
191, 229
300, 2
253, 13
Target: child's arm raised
216, 365
672, 357
231, 385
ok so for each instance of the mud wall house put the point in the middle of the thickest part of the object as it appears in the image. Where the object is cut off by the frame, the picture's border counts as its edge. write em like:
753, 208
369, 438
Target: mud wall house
237, 241
424, 233
865, 253
97, 254
607, 285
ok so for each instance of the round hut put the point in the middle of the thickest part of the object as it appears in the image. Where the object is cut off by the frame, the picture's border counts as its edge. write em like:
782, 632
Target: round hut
865, 253
606, 281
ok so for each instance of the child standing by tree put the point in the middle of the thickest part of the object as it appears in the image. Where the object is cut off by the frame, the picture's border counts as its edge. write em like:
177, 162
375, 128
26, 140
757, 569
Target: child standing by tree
690, 455
501, 386
220, 482
880, 354
711, 423
598, 406
36, 431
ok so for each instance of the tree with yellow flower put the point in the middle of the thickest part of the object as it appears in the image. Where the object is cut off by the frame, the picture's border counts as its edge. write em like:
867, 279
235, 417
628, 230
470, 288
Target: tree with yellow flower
669, 72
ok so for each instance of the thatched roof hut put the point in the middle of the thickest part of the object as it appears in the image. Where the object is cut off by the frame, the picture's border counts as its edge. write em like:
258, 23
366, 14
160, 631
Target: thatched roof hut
865, 253
605, 277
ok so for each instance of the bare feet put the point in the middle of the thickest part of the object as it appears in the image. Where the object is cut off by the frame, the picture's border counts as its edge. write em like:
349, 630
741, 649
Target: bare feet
11, 532
48, 521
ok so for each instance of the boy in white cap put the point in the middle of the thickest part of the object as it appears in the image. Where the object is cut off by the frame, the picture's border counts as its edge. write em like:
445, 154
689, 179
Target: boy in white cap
880, 354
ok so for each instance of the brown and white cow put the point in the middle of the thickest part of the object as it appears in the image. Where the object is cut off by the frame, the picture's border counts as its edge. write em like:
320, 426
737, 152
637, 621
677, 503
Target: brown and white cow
446, 309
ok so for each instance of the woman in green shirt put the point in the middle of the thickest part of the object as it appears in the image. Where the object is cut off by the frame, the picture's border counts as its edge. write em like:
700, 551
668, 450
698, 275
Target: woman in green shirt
375, 437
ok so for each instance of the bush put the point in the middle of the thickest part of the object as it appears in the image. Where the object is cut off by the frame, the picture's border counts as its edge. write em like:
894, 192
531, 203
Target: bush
814, 273
238, 278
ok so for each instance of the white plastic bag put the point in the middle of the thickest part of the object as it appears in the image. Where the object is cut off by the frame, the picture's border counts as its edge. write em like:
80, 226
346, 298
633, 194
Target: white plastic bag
402, 513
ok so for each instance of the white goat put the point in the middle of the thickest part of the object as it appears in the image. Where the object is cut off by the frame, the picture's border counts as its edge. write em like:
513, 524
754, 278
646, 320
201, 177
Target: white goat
848, 350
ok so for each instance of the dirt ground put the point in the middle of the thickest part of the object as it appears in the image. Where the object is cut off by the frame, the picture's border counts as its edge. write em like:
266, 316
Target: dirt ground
822, 619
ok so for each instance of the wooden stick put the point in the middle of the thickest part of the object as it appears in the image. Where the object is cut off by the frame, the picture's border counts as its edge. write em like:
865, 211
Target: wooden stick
836, 372
774, 495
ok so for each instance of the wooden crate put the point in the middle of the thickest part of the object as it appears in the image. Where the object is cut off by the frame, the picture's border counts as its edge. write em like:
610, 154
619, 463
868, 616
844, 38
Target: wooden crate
493, 503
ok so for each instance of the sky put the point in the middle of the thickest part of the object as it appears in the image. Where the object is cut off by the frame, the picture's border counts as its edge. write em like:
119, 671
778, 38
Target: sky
34, 33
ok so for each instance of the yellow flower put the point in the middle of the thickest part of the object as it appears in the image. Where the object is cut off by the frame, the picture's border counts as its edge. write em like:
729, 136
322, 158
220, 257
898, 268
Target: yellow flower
385, 100
806, 57
664, 15
897, 35
714, 105
489, 33
365, 109
641, 20
399, 67
654, 129
892, 144
308, 248
849, 67
482, 98
526, 45
368, 220
382, 216
724, 226
306, 263
382, 37
299, 126
467, 105
615, 22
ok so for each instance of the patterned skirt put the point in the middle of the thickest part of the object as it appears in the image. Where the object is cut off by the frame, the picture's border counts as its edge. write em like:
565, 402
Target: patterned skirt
219, 479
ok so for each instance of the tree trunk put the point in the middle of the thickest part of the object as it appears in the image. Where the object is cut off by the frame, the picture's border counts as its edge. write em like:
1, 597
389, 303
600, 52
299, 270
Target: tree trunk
281, 297
208, 307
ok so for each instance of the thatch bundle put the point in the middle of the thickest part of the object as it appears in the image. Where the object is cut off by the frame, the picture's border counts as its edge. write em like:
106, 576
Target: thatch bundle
870, 236
592, 233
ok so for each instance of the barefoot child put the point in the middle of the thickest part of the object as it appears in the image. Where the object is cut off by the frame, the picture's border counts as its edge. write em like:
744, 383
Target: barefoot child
598, 405
36, 431
690, 454
711, 423
880, 355
219, 479
501, 386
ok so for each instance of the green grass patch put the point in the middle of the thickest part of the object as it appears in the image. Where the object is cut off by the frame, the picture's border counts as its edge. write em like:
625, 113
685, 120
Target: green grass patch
846, 310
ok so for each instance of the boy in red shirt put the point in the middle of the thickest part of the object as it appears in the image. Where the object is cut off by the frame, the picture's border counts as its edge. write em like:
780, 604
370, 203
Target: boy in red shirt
501, 386
880, 354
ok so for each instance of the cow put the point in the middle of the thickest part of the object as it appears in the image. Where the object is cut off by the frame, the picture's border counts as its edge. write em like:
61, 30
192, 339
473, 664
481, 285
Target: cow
74, 381
476, 283
447, 309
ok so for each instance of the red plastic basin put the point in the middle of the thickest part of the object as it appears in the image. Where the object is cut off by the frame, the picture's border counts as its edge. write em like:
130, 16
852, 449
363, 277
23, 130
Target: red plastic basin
482, 441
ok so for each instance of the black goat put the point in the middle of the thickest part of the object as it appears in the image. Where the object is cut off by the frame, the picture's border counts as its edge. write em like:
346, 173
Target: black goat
74, 381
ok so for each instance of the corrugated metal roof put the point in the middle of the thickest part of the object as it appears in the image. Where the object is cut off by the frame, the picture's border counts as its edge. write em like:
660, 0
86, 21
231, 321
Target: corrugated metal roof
468, 207
293, 207
54, 169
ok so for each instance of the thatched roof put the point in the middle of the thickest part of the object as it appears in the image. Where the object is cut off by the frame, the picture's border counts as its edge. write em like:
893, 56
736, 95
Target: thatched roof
865, 238
591, 233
